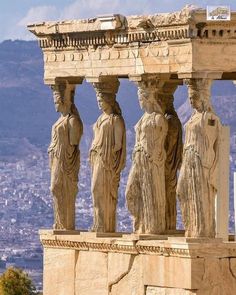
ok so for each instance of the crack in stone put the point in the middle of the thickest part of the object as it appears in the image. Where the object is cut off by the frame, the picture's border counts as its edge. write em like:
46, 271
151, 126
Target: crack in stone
231, 271
77, 253
131, 262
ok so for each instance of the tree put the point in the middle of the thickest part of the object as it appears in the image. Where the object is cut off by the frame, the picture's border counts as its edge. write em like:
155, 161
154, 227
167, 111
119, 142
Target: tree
16, 282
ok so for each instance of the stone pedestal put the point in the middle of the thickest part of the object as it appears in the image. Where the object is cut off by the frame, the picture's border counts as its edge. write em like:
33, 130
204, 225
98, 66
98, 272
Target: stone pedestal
89, 264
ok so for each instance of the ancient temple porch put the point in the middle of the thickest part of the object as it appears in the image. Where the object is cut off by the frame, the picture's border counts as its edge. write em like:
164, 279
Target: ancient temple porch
165, 50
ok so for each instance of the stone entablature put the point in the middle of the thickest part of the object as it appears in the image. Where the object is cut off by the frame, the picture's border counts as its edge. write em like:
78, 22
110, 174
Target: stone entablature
177, 43
117, 29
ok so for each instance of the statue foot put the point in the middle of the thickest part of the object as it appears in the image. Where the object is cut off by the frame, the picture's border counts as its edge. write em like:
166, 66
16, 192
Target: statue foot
58, 226
98, 229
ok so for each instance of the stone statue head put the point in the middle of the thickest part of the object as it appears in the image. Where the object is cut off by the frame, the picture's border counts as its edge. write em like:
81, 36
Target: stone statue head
149, 100
58, 97
106, 96
107, 103
199, 94
63, 96
167, 102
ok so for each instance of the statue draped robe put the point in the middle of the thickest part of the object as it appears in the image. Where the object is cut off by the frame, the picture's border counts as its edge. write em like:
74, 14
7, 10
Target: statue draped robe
106, 167
174, 150
64, 164
197, 184
145, 191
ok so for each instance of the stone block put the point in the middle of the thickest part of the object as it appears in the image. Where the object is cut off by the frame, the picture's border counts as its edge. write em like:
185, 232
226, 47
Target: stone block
218, 278
63, 232
91, 274
139, 237
232, 265
59, 271
131, 283
174, 272
119, 265
168, 291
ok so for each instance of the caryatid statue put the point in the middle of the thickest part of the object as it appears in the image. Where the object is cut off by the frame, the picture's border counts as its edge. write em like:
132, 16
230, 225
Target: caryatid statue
145, 191
64, 156
174, 150
197, 184
107, 156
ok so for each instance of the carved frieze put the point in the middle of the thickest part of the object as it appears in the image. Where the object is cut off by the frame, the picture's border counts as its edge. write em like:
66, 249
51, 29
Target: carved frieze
113, 247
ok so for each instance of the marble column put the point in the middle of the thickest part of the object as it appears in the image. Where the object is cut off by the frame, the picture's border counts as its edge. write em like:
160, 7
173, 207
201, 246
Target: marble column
107, 155
64, 156
174, 150
198, 179
145, 191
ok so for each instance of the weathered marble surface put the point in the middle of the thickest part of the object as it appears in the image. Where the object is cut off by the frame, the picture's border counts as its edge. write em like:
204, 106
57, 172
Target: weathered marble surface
145, 191
197, 184
177, 43
174, 150
115, 266
64, 157
168, 291
107, 157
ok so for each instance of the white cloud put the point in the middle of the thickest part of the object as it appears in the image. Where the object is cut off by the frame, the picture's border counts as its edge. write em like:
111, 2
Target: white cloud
34, 15
38, 14
81, 9
18, 33
91, 8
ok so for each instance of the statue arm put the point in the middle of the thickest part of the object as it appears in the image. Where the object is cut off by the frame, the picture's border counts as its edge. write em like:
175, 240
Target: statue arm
179, 155
161, 126
214, 168
118, 133
75, 130
156, 150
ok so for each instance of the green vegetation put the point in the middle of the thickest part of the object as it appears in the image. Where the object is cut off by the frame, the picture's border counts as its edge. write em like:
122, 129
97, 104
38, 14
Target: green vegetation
16, 282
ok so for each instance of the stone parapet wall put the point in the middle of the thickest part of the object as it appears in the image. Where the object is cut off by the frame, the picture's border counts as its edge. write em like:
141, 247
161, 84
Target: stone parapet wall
85, 264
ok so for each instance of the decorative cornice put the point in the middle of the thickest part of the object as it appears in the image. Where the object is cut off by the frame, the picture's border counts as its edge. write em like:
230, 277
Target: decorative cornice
118, 30
83, 40
111, 247
165, 251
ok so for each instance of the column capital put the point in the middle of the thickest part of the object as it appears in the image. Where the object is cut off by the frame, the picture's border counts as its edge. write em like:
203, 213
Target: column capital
201, 75
199, 91
198, 84
156, 82
105, 84
64, 80
141, 77
62, 86
64, 91
100, 79
170, 86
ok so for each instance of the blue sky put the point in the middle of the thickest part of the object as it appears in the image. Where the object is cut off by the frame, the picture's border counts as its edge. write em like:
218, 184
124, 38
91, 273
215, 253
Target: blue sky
16, 14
